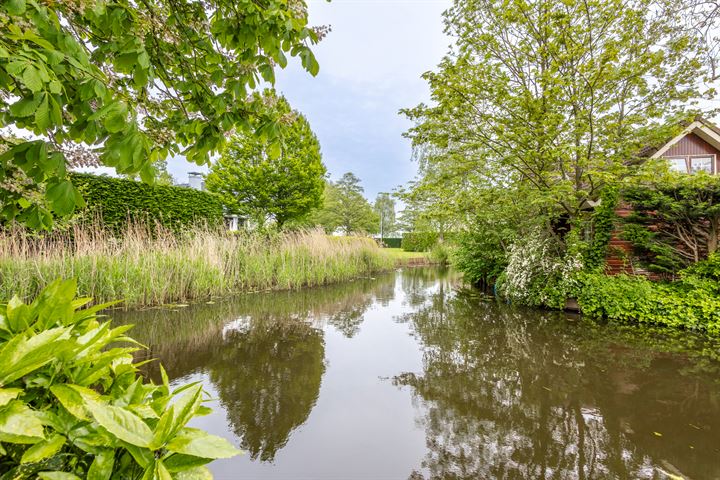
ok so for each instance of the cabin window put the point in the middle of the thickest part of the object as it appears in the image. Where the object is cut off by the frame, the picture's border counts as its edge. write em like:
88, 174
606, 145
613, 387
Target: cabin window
702, 164
678, 164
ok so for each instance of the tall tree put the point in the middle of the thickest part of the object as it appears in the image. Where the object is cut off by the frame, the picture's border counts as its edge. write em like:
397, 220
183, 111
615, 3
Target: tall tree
702, 19
346, 208
136, 82
385, 210
281, 187
551, 99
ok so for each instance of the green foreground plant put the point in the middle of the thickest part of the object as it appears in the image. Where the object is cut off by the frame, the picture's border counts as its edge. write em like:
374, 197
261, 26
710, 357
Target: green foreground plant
145, 268
74, 405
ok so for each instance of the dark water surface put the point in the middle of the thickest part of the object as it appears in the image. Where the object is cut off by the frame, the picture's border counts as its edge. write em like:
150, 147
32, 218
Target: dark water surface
411, 375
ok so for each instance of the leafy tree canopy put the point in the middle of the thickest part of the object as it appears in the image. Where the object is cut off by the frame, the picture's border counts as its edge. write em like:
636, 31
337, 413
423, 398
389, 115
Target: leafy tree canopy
283, 185
384, 208
136, 82
346, 208
548, 102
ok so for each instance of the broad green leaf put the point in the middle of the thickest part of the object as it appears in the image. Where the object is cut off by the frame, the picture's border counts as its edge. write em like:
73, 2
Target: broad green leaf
198, 443
72, 400
18, 315
42, 114
19, 424
122, 423
8, 394
58, 476
25, 106
197, 473
22, 355
45, 449
15, 7
161, 472
31, 78
115, 119
178, 462
102, 466
62, 197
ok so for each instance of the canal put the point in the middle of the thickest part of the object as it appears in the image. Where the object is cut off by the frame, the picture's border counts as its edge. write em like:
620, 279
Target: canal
412, 375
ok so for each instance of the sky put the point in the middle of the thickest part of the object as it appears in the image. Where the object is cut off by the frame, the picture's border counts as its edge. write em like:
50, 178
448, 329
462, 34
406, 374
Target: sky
370, 67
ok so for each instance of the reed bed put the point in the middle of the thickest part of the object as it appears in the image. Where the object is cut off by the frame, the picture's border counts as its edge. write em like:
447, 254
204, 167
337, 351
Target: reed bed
146, 267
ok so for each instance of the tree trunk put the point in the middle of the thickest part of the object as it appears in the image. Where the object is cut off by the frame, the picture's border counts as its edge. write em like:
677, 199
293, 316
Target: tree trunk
712, 242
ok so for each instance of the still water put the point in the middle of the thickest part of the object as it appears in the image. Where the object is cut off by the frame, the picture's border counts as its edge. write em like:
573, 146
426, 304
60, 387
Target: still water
411, 375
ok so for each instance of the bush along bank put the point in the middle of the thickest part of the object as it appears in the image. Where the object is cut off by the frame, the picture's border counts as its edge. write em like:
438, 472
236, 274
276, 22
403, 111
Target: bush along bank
147, 268
73, 404
540, 275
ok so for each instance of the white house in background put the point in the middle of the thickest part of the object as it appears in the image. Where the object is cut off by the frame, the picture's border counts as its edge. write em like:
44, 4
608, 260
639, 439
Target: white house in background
195, 180
233, 222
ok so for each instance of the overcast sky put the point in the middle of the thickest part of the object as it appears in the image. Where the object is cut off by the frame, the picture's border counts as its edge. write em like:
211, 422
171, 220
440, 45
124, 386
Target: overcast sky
370, 67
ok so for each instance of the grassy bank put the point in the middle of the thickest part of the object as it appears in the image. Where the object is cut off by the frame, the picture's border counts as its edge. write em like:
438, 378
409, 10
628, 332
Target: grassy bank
166, 268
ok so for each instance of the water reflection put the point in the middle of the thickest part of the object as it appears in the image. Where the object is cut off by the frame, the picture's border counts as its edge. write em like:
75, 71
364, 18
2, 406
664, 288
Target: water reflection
263, 353
522, 394
412, 375
267, 374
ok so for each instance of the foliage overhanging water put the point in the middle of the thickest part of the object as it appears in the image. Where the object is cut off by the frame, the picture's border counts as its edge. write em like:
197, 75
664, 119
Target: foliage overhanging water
411, 375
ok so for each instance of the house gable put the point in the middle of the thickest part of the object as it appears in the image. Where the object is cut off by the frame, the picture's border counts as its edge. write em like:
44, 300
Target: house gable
700, 139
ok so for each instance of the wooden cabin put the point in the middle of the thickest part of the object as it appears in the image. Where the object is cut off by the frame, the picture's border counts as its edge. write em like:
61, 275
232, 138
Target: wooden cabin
695, 149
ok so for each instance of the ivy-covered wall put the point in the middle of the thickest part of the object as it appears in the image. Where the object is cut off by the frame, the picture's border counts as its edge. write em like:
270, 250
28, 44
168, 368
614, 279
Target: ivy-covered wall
118, 200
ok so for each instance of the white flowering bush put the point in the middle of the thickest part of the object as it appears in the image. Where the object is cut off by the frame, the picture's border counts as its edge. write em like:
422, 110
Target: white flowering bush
540, 271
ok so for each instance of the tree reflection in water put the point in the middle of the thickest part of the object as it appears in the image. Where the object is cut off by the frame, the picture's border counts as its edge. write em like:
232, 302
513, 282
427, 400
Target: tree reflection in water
499, 393
510, 393
263, 353
267, 373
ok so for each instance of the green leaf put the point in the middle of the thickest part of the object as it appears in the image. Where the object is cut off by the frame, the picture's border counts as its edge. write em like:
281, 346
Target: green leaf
8, 394
197, 443
42, 114
58, 476
274, 149
19, 424
22, 355
62, 197
115, 119
72, 400
25, 107
178, 462
31, 78
15, 7
102, 466
45, 449
197, 473
122, 423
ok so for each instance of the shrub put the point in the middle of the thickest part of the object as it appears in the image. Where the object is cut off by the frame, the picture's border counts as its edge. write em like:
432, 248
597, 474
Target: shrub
675, 221
392, 242
540, 272
636, 299
118, 201
73, 405
440, 253
419, 241
480, 257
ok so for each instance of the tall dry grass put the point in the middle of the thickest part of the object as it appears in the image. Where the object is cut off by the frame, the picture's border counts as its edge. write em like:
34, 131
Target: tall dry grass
145, 268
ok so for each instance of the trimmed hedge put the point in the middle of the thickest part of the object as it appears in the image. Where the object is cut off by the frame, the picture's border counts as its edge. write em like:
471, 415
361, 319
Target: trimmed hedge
118, 200
392, 242
419, 241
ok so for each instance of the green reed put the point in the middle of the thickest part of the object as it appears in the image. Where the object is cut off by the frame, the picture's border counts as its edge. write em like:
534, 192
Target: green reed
161, 267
